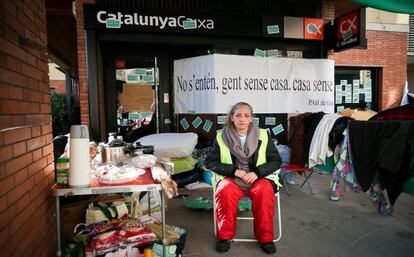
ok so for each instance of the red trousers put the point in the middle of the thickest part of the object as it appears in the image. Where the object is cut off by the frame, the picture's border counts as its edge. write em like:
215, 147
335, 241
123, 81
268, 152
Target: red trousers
227, 198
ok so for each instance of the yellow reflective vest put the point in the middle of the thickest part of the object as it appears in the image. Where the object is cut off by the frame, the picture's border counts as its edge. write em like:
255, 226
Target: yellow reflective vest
225, 156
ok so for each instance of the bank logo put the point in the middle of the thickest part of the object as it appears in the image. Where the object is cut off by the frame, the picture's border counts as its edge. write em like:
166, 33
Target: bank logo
313, 28
118, 19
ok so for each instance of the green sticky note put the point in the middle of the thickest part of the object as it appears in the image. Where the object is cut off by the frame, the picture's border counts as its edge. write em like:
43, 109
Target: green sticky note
140, 71
273, 29
132, 78
207, 125
270, 121
221, 120
146, 114
113, 24
197, 122
278, 129
340, 108
184, 123
148, 78
273, 52
259, 53
134, 115
189, 24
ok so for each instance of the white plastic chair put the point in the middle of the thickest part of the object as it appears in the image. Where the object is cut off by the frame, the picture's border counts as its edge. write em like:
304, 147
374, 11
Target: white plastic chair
251, 218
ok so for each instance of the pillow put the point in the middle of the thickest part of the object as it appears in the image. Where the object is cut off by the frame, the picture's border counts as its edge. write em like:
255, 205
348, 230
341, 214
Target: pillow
174, 145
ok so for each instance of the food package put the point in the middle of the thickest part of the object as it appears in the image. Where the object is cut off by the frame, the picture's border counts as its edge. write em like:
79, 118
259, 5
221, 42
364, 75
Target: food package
106, 242
84, 233
138, 236
129, 251
144, 161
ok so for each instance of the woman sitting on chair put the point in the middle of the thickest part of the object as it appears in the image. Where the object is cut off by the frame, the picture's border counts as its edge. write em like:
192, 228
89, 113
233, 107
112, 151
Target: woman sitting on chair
244, 155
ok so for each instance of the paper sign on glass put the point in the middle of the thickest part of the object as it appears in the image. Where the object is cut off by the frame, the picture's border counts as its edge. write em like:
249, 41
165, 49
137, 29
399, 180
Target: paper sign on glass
338, 88
344, 82
278, 129
184, 123
207, 126
348, 89
338, 100
340, 108
221, 120
197, 122
368, 83
355, 98
368, 97
271, 121
256, 121
355, 82
167, 121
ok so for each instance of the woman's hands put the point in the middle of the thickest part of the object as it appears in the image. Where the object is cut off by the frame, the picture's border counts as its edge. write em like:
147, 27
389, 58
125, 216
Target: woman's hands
240, 173
247, 177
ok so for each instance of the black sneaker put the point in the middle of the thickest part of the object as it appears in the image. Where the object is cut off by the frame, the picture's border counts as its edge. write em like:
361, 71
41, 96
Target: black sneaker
223, 246
269, 247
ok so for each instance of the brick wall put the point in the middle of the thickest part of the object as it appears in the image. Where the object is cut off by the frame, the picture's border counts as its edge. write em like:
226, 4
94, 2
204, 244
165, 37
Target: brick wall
387, 50
27, 224
59, 86
83, 78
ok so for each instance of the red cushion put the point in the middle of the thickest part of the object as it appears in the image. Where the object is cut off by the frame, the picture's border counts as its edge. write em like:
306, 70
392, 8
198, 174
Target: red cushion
294, 167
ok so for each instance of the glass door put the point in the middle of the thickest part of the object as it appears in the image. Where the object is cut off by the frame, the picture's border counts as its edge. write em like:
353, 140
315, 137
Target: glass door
137, 91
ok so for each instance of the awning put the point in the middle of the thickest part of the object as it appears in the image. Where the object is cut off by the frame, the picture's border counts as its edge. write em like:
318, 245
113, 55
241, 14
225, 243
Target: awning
399, 6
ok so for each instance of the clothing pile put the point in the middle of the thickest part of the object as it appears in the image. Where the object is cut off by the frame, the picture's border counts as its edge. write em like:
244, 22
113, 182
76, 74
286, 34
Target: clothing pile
372, 152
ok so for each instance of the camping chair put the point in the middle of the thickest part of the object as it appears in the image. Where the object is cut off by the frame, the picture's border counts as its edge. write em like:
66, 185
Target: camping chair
299, 169
214, 181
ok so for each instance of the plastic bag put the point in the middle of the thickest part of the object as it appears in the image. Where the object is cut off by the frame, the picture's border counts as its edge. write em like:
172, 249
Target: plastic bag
144, 161
98, 212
